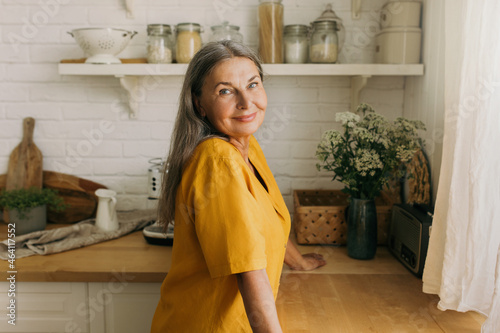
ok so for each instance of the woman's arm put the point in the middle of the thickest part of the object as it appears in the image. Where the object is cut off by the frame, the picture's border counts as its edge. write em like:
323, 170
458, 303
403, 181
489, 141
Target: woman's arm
296, 261
259, 301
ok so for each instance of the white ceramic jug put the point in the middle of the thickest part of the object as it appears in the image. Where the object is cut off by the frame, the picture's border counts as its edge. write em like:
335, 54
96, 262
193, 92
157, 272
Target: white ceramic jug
106, 210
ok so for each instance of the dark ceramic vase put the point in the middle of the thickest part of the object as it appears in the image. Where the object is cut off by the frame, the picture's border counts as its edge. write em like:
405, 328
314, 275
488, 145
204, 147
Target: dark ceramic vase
361, 229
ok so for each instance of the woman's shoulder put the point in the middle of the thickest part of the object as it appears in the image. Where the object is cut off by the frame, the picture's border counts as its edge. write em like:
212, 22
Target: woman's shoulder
215, 148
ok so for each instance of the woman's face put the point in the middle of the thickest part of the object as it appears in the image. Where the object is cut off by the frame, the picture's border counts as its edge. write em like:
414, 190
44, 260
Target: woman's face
233, 98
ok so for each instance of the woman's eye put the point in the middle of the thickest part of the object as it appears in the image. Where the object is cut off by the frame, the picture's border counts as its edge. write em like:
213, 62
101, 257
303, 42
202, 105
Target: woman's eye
252, 85
224, 91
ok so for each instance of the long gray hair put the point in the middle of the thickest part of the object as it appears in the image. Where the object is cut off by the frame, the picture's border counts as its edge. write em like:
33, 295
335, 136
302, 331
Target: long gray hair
190, 127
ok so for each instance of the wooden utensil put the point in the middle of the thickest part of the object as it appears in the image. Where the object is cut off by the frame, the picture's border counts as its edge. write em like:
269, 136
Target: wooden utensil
77, 192
25, 167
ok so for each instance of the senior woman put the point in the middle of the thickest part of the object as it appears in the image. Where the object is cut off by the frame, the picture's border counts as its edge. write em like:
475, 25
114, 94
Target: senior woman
231, 223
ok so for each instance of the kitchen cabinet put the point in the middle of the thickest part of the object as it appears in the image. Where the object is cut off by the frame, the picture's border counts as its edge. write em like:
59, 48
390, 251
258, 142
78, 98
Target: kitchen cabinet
133, 77
85, 307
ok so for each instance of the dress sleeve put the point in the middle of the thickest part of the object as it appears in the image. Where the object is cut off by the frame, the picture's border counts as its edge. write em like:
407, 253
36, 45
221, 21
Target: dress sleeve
227, 217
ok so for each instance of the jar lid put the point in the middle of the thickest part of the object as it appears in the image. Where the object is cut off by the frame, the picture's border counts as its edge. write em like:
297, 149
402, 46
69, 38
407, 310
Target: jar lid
159, 29
187, 26
296, 29
328, 25
225, 26
329, 16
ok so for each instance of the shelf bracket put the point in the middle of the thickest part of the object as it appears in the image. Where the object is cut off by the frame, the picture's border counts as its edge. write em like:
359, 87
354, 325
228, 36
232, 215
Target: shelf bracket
357, 84
131, 85
356, 9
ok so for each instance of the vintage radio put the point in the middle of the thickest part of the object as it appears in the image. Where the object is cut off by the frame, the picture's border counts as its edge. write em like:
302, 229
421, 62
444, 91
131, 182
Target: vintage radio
409, 235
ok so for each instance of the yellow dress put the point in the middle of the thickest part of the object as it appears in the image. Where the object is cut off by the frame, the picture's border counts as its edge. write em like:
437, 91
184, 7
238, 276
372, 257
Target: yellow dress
226, 222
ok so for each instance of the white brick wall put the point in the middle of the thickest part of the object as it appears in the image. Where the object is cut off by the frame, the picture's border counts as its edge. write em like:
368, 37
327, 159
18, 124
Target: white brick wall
116, 152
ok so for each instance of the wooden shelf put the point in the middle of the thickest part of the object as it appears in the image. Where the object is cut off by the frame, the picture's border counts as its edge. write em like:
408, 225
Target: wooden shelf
130, 74
120, 70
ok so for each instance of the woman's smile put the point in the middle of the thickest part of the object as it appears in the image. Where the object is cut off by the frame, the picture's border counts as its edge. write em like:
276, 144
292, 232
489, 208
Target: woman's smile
246, 118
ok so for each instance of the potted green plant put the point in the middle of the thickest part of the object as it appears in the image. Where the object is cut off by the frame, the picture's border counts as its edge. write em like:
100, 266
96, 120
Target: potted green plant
28, 207
364, 156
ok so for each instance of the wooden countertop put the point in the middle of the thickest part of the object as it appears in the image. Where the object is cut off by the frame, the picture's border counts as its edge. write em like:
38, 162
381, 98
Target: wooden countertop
129, 257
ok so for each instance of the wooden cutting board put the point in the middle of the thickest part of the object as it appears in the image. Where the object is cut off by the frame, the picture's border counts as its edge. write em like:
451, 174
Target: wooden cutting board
25, 167
77, 192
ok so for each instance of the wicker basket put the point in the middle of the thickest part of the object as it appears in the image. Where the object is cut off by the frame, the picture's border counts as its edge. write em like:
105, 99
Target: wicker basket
319, 217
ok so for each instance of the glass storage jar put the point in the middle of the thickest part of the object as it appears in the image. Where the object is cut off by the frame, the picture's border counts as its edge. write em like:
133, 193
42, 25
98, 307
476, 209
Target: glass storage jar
226, 32
296, 44
160, 44
271, 31
324, 42
188, 41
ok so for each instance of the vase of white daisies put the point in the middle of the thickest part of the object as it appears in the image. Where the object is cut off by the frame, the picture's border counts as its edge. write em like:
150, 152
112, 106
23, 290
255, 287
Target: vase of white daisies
364, 155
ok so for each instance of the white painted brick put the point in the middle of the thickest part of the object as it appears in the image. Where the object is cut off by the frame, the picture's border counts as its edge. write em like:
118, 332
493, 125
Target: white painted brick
300, 132
70, 164
114, 183
84, 111
103, 16
386, 82
317, 183
10, 129
2, 72
129, 130
305, 149
280, 81
161, 131
304, 95
284, 185
173, 17
382, 97
40, 111
51, 148
14, 14
32, 73
105, 94
157, 112
85, 148
334, 95
279, 150
299, 168
136, 185
330, 81
14, 52
149, 149
120, 167
5, 149
43, 35
12, 92
163, 95
51, 54
57, 92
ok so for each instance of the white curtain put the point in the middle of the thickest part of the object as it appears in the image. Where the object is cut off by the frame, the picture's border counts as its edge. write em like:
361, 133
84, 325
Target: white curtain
463, 261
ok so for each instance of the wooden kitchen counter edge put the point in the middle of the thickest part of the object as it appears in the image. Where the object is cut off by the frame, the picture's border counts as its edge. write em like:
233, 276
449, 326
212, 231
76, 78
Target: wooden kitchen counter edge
128, 258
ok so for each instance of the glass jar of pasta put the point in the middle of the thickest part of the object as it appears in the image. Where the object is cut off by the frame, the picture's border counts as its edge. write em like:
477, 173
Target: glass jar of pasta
271, 31
188, 41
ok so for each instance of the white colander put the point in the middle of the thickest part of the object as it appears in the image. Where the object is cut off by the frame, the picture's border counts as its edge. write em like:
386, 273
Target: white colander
101, 45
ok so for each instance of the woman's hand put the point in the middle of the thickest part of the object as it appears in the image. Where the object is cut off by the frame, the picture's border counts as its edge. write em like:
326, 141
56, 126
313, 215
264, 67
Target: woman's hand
302, 262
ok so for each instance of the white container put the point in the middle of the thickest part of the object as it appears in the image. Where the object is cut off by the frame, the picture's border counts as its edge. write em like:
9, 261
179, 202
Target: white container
400, 14
398, 46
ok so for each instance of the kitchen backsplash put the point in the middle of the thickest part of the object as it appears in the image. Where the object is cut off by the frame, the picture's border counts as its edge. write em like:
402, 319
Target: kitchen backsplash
82, 125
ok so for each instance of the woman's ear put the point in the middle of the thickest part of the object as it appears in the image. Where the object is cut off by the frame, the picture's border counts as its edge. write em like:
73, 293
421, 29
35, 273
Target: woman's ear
198, 106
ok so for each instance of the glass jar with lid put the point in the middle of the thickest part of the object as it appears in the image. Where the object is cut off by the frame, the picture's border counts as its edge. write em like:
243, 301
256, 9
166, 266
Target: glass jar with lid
188, 41
324, 42
160, 44
296, 44
226, 32
271, 31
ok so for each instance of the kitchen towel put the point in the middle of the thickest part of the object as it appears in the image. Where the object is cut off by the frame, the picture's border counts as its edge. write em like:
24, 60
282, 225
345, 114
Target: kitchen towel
75, 236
